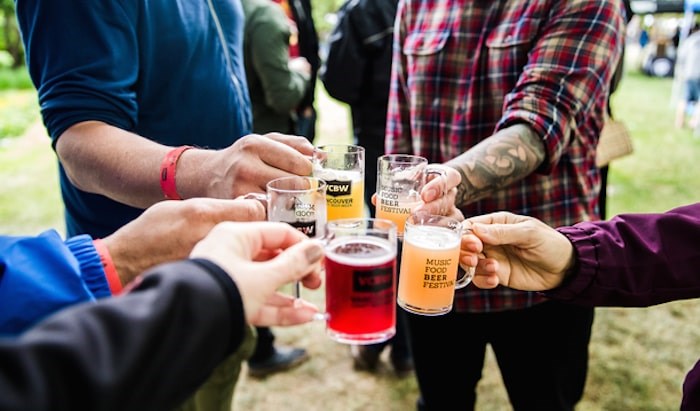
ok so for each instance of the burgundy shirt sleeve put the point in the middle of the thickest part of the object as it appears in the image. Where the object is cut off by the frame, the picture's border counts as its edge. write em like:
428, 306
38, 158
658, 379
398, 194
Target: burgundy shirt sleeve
635, 260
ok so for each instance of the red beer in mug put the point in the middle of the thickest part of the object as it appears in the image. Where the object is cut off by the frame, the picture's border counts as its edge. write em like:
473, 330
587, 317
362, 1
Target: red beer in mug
360, 284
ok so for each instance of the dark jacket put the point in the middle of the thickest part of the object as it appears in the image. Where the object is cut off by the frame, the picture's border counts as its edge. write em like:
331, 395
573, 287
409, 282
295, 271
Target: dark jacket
148, 349
308, 44
357, 71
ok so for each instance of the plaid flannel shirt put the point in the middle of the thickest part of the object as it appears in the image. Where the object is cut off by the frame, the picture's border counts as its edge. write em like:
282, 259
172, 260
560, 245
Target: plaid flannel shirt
464, 69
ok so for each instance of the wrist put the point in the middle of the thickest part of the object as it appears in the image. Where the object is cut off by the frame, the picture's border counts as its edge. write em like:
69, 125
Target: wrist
111, 274
168, 169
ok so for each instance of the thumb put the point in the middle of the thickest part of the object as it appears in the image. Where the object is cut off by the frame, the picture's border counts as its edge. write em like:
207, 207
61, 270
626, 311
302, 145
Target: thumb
298, 261
500, 234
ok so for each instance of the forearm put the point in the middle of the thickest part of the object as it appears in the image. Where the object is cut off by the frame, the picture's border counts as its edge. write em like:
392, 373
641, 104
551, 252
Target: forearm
500, 160
106, 160
284, 89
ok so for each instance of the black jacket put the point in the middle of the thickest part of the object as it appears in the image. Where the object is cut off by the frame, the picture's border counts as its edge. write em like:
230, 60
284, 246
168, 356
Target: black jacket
308, 43
148, 349
357, 68
357, 71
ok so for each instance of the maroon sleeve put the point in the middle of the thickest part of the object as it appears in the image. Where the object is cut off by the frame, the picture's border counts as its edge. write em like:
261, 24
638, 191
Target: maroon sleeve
635, 260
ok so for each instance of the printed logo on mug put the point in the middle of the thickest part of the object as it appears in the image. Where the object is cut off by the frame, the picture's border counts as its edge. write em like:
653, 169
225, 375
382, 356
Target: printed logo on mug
360, 283
400, 179
342, 167
430, 264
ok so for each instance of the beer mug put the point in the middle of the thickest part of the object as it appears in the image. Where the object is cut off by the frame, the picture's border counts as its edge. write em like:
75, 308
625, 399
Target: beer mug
430, 263
400, 179
360, 283
300, 202
342, 167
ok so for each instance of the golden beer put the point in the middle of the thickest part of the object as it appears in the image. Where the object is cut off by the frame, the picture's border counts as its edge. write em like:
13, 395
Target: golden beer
344, 199
429, 263
342, 167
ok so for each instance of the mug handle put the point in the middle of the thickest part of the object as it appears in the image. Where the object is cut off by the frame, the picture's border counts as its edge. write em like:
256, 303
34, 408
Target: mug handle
436, 170
466, 275
465, 278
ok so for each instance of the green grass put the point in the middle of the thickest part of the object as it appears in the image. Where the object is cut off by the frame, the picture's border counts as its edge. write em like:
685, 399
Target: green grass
19, 109
29, 196
664, 170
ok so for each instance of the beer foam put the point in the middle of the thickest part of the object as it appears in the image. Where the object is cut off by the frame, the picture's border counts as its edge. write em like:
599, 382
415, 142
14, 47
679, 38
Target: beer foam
432, 237
375, 257
329, 174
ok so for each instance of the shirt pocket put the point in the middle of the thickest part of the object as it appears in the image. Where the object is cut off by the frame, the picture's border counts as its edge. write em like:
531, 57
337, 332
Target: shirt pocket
425, 43
520, 33
508, 47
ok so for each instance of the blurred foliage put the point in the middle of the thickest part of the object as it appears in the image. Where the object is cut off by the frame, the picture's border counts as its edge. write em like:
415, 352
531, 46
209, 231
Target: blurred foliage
10, 40
322, 13
19, 109
15, 79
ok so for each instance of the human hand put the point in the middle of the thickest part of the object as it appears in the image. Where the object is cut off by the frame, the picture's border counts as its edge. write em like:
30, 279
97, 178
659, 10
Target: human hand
168, 231
247, 165
300, 65
439, 194
261, 257
517, 251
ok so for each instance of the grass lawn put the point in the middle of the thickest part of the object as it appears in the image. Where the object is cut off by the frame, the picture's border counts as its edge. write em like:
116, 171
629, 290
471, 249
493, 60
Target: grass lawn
638, 356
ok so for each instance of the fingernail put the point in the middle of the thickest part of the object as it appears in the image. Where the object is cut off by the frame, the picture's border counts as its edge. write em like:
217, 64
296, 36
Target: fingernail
313, 253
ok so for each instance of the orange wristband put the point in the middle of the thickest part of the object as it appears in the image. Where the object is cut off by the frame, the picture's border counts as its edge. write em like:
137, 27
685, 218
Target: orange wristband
115, 283
167, 172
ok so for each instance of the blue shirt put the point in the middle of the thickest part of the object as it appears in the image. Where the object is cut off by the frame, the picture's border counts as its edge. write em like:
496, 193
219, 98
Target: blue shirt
168, 70
40, 275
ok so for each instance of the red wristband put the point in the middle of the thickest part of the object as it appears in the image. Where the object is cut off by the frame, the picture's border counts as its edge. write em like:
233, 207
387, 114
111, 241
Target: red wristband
167, 172
115, 283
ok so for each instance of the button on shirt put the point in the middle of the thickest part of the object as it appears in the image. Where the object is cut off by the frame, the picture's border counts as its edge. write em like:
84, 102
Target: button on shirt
463, 70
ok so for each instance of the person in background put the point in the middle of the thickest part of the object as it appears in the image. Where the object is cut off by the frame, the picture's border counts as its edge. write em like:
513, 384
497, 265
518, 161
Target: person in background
153, 105
304, 43
152, 346
632, 260
688, 69
511, 95
357, 71
614, 84
277, 84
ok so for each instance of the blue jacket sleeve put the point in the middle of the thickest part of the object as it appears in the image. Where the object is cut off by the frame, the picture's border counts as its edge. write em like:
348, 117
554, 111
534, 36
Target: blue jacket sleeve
42, 274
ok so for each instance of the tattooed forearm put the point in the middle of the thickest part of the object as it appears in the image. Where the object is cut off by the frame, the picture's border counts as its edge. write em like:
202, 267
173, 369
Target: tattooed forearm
506, 157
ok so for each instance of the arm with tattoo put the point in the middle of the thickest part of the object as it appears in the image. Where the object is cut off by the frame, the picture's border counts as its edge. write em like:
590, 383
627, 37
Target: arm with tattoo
502, 159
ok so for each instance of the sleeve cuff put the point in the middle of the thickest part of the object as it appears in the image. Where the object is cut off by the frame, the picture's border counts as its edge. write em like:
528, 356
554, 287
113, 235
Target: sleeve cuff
586, 266
90, 264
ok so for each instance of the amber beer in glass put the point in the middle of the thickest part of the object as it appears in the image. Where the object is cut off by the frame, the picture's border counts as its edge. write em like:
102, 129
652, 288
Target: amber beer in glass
400, 179
342, 167
429, 264
360, 270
